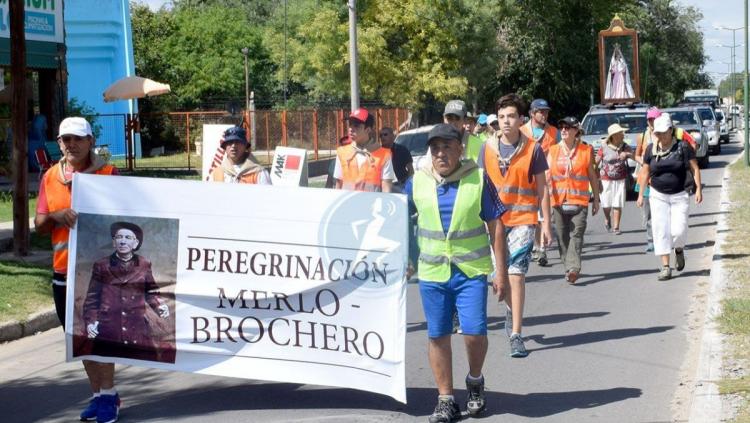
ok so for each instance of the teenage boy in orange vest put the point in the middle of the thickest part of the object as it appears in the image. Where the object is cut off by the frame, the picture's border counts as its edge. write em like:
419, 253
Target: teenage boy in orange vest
363, 165
516, 166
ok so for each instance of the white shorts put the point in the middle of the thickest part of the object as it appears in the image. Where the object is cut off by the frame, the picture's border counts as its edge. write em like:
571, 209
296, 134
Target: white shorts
613, 194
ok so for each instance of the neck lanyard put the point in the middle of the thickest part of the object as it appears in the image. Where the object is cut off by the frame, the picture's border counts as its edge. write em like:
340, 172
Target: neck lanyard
505, 163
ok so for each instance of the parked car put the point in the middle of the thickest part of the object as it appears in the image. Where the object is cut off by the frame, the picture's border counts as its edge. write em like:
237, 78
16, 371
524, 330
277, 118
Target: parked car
723, 125
415, 140
689, 120
709, 121
600, 117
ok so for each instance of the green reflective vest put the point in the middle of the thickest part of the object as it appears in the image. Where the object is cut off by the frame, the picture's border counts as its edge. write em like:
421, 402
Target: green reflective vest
473, 146
466, 244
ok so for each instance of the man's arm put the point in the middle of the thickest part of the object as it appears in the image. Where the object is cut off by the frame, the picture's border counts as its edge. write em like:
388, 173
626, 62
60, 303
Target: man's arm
500, 283
594, 182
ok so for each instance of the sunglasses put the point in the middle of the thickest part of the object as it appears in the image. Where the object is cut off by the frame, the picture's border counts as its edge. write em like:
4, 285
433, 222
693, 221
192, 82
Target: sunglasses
69, 138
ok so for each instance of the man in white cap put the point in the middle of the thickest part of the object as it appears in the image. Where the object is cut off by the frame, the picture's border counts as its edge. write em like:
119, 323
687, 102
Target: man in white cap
54, 215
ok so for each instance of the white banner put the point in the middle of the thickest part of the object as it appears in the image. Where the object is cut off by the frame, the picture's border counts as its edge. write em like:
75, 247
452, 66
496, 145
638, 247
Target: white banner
211, 156
297, 285
43, 20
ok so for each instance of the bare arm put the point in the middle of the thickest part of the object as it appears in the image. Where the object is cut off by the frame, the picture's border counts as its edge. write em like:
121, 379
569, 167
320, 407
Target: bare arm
594, 182
543, 195
697, 176
500, 283
43, 223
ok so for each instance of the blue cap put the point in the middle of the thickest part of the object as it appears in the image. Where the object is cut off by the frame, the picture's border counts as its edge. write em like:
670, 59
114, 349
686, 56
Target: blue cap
234, 134
482, 119
540, 104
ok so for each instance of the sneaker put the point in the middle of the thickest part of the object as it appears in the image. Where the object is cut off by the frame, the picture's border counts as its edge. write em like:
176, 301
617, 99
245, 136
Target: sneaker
571, 276
446, 411
650, 247
508, 321
665, 273
542, 260
89, 413
607, 226
475, 402
109, 408
517, 349
680, 259
456, 324
534, 255
617, 231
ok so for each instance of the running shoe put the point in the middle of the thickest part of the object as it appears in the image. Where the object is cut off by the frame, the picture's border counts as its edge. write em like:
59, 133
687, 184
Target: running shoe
109, 409
508, 321
571, 276
446, 411
534, 255
650, 247
542, 260
89, 413
665, 273
517, 349
680, 259
475, 402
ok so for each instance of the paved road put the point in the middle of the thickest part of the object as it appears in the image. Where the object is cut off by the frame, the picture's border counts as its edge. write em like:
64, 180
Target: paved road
608, 349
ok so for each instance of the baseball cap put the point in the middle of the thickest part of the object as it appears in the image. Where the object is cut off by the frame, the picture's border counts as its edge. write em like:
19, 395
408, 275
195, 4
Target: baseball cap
540, 104
75, 126
444, 131
363, 116
455, 107
571, 121
482, 119
663, 123
234, 134
653, 113
491, 119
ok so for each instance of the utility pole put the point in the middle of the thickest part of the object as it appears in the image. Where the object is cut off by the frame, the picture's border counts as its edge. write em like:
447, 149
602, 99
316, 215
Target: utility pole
19, 127
353, 63
745, 97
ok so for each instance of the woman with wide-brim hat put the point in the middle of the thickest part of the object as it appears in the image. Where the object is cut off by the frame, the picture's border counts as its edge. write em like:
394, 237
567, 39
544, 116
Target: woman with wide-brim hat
612, 159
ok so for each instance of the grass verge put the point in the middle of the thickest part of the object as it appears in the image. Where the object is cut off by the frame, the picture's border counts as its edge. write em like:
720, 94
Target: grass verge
735, 318
24, 289
6, 205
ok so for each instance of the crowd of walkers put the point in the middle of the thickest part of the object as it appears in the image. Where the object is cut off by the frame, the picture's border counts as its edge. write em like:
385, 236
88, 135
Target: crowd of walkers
483, 209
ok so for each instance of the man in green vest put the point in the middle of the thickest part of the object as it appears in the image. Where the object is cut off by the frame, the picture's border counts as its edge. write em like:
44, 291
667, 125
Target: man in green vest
455, 114
458, 221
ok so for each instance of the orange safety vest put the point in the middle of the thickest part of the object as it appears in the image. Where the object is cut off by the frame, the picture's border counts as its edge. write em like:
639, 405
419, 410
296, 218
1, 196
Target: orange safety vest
517, 194
369, 176
217, 175
58, 198
549, 138
570, 186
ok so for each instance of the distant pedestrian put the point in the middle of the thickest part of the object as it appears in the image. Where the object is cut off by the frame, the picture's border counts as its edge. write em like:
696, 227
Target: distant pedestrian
363, 165
612, 159
459, 219
481, 128
667, 167
516, 165
54, 215
455, 115
493, 124
642, 142
400, 157
571, 172
239, 166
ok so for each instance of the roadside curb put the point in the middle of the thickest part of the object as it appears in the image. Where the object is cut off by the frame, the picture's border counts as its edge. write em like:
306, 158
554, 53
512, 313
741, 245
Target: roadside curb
706, 402
37, 322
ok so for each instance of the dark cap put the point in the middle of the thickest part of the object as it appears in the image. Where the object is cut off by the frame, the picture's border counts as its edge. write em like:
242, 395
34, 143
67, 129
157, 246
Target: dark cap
234, 134
129, 226
361, 115
540, 104
444, 131
570, 121
455, 107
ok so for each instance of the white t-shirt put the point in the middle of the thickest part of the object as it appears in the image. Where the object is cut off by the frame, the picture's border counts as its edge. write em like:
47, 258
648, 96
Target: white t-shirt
263, 177
388, 173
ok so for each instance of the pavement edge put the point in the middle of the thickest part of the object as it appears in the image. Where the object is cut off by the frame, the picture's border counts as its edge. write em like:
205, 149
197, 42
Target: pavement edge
706, 402
37, 322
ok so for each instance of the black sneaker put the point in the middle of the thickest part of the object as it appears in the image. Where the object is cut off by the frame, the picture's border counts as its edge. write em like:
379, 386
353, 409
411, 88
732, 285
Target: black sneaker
542, 258
446, 411
475, 402
679, 254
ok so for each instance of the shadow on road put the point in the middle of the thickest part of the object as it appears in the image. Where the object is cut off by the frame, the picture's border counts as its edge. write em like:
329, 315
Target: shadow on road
592, 279
555, 342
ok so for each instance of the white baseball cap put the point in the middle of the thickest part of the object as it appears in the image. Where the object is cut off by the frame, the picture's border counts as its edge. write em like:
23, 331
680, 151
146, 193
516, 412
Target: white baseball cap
491, 119
75, 126
663, 123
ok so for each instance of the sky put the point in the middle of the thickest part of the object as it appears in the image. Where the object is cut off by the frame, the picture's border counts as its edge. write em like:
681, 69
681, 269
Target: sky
716, 13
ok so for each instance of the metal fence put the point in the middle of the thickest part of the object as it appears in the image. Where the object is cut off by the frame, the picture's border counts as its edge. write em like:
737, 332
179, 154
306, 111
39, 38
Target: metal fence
173, 140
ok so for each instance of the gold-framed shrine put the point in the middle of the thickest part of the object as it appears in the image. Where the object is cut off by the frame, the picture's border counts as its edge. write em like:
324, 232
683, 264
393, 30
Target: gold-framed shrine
619, 70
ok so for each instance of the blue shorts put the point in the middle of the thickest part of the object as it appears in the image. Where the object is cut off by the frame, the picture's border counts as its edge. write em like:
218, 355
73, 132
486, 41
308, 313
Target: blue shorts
520, 243
460, 293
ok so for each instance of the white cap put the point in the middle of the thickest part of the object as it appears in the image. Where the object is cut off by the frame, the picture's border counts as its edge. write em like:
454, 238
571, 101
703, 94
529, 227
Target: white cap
75, 126
663, 123
491, 118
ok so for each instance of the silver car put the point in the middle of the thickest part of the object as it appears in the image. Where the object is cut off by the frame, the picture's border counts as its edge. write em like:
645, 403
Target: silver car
415, 140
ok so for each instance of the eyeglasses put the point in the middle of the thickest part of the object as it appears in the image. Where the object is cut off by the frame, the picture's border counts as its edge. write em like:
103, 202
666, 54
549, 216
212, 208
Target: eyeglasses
128, 237
69, 138
566, 127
